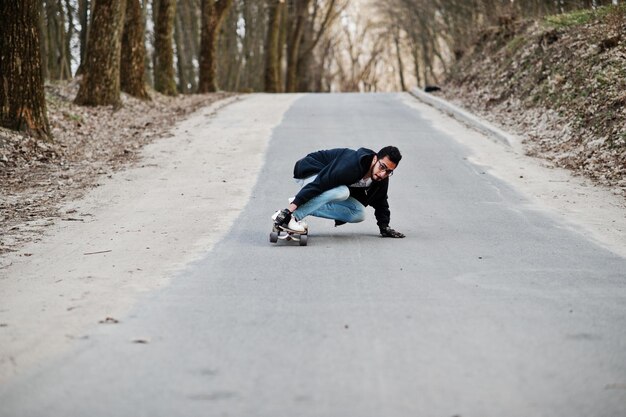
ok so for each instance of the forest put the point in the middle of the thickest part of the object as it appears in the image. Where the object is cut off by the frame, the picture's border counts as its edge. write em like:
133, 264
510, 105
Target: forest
202, 46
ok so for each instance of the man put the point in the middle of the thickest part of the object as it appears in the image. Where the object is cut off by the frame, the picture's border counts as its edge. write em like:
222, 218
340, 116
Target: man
338, 184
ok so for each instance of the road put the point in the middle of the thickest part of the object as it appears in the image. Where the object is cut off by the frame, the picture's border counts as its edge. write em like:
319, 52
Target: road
488, 307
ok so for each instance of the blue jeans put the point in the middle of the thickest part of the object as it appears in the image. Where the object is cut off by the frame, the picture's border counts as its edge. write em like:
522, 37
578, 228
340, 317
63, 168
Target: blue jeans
335, 204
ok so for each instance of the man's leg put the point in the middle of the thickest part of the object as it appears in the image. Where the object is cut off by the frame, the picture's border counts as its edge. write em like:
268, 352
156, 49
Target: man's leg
335, 204
347, 211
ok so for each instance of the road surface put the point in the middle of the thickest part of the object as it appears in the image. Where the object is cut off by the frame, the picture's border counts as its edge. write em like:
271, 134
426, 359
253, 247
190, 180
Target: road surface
488, 307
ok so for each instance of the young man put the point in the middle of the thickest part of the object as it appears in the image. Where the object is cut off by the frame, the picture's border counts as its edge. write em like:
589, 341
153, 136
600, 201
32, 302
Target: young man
338, 184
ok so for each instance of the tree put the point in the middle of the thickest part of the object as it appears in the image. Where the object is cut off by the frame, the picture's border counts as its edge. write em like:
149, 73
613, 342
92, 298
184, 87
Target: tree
253, 45
132, 65
186, 31
213, 13
229, 47
22, 98
83, 20
163, 47
273, 47
299, 12
101, 80
58, 53
308, 23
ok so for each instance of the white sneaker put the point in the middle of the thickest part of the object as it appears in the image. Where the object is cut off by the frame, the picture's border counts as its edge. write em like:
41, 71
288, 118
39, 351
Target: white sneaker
297, 226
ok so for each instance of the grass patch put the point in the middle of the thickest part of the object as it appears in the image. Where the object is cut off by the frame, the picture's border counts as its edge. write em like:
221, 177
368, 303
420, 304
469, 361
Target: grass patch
74, 117
580, 17
515, 44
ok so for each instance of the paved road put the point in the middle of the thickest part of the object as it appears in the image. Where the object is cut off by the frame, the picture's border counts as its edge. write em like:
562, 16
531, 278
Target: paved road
487, 308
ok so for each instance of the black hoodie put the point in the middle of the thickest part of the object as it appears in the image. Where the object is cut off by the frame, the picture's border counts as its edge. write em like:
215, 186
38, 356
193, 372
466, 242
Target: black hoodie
342, 166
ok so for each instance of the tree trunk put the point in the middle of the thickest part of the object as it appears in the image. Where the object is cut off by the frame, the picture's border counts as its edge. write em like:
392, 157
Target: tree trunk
69, 35
181, 53
83, 19
213, 12
396, 41
53, 26
59, 67
22, 98
132, 65
163, 48
417, 65
191, 39
43, 41
295, 40
273, 46
149, 75
101, 80
253, 56
186, 39
228, 51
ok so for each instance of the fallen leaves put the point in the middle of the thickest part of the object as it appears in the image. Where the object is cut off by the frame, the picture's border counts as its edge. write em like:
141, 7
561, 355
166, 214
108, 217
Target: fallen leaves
561, 90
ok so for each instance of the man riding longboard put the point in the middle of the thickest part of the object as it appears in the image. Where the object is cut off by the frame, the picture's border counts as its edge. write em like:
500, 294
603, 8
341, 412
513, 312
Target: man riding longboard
338, 184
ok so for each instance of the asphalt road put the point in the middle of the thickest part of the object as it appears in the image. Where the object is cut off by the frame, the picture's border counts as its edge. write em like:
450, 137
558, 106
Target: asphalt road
489, 307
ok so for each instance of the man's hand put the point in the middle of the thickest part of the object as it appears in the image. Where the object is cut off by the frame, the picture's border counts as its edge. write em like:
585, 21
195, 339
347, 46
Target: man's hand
283, 217
386, 231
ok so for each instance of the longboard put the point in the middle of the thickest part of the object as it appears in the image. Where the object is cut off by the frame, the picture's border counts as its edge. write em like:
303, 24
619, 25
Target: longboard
282, 233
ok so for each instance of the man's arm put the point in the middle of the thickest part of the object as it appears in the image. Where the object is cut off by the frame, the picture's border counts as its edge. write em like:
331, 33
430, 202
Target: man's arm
383, 215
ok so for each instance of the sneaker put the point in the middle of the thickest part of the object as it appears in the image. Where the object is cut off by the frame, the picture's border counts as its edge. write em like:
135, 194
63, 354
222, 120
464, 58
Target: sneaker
297, 226
284, 219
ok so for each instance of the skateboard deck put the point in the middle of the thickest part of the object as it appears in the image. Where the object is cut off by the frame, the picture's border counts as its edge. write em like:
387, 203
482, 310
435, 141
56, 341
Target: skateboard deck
282, 233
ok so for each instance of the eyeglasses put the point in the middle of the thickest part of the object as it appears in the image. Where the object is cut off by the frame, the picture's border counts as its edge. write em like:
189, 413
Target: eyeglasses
385, 169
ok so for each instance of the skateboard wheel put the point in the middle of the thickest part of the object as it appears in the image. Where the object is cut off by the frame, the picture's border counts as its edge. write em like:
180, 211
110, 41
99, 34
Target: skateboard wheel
303, 240
274, 237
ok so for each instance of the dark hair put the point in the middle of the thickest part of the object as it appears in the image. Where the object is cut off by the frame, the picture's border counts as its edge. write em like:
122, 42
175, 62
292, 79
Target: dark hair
391, 152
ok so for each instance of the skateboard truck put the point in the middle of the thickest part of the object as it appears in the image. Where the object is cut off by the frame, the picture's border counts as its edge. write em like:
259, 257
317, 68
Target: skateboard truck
282, 233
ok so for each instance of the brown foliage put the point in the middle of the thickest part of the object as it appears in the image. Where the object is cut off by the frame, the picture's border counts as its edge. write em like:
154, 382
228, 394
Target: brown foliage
561, 89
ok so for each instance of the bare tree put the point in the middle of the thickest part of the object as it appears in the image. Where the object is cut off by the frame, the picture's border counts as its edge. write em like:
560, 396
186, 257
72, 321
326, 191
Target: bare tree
213, 13
58, 66
83, 20
164, 81
101, 79
229, 47
132, 66
186, 39
273, 47
253, 44
22, 99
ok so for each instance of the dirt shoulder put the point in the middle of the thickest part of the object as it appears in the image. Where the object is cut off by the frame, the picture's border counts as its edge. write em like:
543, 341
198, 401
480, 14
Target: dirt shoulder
90, 144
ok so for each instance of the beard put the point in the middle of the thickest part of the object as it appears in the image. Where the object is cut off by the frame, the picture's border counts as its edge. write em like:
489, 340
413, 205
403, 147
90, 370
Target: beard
375, 177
